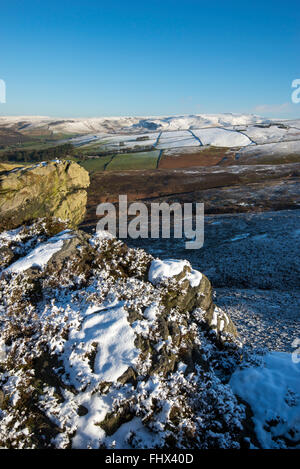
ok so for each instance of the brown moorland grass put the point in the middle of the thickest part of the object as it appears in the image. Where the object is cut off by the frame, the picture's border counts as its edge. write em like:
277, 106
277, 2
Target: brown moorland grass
191, 157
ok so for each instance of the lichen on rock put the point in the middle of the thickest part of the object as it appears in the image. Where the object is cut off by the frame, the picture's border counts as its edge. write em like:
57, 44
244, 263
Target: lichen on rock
55, 188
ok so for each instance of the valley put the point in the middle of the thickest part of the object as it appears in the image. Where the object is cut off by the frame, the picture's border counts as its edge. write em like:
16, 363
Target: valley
244, 168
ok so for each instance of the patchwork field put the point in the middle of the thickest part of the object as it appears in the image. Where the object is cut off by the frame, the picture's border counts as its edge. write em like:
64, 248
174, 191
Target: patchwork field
231, 162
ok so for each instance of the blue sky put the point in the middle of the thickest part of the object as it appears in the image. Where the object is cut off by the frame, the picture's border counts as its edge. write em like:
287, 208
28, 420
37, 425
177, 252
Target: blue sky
100, 58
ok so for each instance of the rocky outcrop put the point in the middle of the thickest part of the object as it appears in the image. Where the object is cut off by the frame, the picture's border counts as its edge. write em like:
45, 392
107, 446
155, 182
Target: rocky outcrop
55, 188
95, 336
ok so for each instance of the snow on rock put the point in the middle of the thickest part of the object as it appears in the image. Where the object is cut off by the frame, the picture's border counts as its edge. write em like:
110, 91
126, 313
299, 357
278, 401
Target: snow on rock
194, 278
94, 355
11, 235
40, 256
2, 351
151, 312
109, 331
103, 234
162, 270
273, 392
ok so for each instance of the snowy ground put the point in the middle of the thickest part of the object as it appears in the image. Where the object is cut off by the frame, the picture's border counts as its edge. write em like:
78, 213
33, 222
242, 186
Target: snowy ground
222, 137
265, 318
272, 390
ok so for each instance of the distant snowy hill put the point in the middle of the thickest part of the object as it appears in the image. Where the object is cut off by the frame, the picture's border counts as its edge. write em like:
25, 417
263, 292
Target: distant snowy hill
160, 133
129, 124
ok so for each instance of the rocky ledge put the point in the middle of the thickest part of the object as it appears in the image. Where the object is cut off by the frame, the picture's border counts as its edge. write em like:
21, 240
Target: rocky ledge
103, 346
55, 188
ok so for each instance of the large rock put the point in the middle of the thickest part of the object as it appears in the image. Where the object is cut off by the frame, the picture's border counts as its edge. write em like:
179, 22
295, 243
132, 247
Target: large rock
103, 346
55, 188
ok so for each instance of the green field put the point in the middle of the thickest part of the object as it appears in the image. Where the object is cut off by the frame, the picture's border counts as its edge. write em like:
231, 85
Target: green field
121, 162
145, 160
35, 142
93, 148
95, 164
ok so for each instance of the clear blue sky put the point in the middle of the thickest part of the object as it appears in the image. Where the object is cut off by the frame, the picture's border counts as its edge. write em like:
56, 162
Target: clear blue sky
104, 58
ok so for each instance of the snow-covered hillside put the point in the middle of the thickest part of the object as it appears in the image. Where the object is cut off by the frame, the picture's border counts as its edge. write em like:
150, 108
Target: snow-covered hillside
102, 346
161, 133
129, 124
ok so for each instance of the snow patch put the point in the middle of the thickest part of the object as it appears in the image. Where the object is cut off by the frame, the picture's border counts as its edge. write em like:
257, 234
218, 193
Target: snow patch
222, 138
194, 277
163, 270
273, 392
39, 256
110, 331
